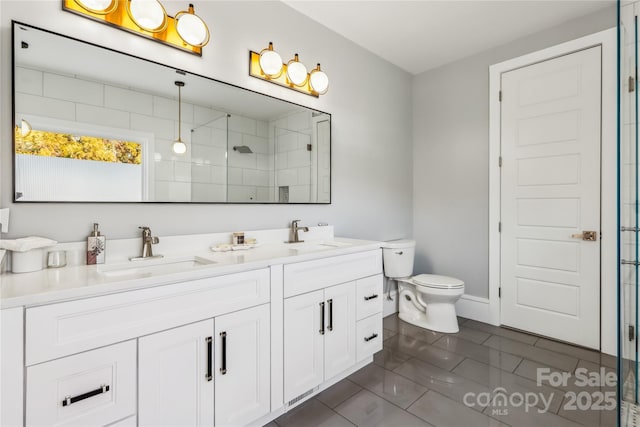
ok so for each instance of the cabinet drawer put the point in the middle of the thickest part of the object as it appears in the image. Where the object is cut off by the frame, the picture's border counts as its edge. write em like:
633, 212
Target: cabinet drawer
309, 276
72, 391
58, 330
368, 336
369, 296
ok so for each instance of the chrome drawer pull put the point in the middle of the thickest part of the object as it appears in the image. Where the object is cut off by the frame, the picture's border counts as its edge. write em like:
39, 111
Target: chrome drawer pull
374, 296
68, 400
367, 339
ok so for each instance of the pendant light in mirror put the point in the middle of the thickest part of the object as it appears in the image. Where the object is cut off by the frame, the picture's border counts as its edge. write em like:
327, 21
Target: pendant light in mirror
297, 71
178, 146
270, 62
25, 128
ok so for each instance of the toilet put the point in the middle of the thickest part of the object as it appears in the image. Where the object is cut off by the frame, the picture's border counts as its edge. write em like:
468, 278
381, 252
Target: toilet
425, 300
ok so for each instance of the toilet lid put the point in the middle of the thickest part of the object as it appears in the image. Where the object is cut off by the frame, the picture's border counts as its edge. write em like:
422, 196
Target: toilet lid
436, 281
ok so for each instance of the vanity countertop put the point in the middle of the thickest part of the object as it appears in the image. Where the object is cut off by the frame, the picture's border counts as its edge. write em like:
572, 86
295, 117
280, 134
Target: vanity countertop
52, 285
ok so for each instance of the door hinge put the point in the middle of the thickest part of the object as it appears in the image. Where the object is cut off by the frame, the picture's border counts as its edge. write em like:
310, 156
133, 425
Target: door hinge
500, 292
309, 147
632, 333
500, 161
500, 96
499, 226
632, 84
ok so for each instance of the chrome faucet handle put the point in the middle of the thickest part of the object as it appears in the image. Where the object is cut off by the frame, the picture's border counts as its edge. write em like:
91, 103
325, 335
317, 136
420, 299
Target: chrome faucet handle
155, 240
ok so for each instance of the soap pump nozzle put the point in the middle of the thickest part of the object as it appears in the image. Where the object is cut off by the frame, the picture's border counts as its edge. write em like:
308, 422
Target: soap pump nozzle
95, 232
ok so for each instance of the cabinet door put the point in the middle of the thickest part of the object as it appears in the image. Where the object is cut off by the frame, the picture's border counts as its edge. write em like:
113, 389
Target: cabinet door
303, 343
173, 382
340, 338
242, 366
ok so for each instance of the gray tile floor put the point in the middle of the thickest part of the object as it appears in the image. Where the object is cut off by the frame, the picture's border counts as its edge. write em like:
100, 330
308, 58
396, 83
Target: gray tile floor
482, 376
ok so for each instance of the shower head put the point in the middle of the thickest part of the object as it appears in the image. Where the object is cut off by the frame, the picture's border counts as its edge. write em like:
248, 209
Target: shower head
242, 149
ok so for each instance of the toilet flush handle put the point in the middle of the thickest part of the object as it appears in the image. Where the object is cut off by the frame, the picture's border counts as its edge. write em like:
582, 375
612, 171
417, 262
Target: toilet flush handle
399, 253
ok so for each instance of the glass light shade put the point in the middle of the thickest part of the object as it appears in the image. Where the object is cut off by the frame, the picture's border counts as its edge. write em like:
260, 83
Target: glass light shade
25, 127
296, 72
97, 6
191, 28
148, 14
270, 62
179, 147
319, 81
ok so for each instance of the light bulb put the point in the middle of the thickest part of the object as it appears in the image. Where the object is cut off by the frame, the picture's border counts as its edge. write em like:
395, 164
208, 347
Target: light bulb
148, 14
97, 6
270, 62
296, 72
179, 147
191, 28
319, 81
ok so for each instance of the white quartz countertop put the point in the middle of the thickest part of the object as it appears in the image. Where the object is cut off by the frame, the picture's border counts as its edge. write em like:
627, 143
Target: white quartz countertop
52, 285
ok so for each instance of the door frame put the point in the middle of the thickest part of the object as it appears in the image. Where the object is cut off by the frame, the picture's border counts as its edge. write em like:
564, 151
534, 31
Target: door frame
608, 258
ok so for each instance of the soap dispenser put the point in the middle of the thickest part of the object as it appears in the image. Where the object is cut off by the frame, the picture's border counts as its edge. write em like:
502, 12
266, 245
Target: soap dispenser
96, 247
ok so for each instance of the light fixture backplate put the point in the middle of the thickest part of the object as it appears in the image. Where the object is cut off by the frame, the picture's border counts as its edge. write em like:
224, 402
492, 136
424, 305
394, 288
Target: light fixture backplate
281, 80
119, 18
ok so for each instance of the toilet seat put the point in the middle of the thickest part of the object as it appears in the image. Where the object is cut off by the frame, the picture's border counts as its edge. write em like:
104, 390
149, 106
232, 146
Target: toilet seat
435, 281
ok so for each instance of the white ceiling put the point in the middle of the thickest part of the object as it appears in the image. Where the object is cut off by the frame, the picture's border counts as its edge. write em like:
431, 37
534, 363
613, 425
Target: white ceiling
421, 35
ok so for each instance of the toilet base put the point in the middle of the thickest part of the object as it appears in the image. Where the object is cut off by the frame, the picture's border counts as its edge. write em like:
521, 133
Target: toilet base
438, 318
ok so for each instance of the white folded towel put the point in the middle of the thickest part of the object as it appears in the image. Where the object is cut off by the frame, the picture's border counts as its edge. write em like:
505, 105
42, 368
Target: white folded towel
26, 243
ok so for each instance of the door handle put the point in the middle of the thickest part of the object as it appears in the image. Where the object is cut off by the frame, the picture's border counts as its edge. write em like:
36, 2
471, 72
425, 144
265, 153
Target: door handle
322, 318
330, 327
223, 368
590, 236
209, 341
68, 400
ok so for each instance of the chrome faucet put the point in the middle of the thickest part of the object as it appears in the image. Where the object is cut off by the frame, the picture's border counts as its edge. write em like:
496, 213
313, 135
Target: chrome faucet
293, 233
147, 241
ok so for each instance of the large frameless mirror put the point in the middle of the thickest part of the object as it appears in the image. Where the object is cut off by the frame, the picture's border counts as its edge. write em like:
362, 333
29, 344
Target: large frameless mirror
95, 125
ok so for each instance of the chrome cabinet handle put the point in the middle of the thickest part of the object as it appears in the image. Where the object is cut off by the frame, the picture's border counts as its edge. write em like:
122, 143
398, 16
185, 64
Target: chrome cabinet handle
223, 368
68, 400
374, 296
322, 318
330, 327
367, 339
209, 341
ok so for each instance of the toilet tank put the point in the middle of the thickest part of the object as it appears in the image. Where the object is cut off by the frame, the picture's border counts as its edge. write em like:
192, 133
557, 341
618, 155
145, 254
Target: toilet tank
397, 257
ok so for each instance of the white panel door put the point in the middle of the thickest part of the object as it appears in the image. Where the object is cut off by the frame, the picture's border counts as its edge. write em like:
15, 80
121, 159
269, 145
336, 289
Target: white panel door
550, 194
174, 388
242, 367
303, 343
340, 335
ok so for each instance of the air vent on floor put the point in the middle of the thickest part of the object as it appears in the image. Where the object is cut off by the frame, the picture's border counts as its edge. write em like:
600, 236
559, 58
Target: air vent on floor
302, 396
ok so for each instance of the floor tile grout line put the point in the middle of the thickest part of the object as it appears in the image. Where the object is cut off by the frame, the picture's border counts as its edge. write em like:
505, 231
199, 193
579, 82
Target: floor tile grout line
459, 363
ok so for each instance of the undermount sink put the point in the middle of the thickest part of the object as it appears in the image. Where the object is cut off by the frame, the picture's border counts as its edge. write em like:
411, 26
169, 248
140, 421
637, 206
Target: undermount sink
154, 266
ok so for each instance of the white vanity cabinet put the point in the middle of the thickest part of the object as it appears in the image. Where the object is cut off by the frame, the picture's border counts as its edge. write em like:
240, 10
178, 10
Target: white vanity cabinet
321, 318
175, 376
319, 337
180, 371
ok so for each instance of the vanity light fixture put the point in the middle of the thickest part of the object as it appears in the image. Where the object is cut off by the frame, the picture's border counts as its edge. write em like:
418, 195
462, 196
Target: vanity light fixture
319, 80
297, 71
147, 18
267, 65
271, 62
178, 146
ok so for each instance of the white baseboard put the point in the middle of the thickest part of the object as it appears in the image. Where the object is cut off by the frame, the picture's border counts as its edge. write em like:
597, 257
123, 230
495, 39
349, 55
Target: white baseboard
475, 308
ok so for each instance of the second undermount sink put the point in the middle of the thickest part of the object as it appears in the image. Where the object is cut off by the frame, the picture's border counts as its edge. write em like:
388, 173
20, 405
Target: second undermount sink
154, 266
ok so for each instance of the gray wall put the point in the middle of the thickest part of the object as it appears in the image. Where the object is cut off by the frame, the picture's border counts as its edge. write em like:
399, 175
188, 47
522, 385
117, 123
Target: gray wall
451, 155
371, 130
